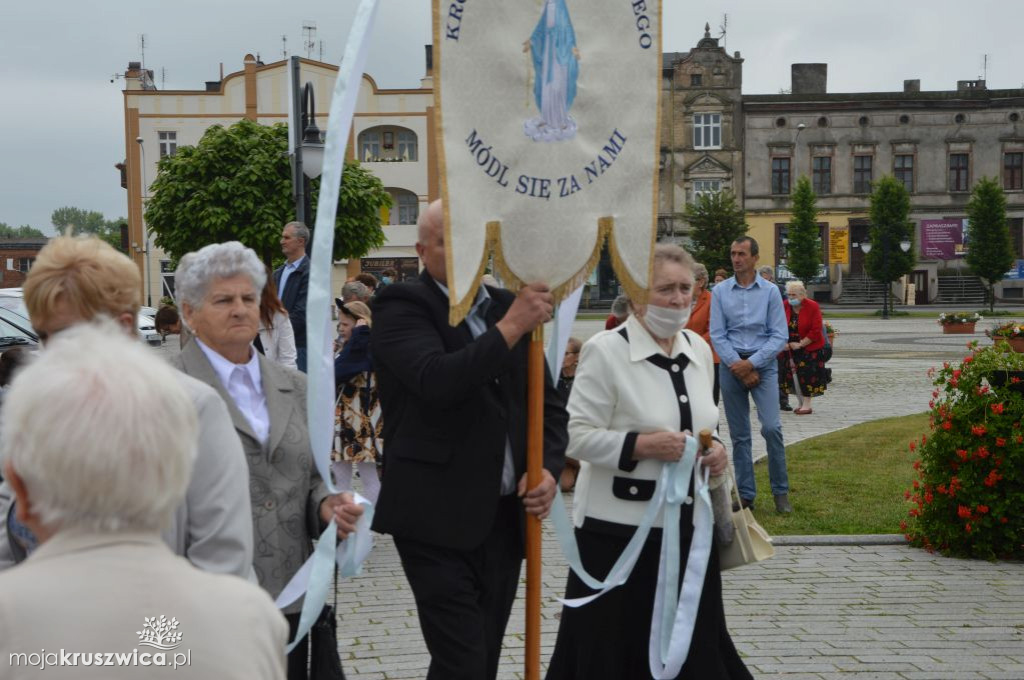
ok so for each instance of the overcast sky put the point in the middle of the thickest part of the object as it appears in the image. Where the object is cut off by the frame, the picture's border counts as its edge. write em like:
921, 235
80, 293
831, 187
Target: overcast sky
61, 119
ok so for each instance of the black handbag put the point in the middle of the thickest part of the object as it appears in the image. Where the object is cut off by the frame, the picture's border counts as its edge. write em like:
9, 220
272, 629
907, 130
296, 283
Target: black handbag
324, 662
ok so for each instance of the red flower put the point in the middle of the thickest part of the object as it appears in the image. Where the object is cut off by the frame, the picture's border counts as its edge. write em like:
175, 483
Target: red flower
917, 485
992, 478
1020, 439
978, 430
1014, 379
956, 374
913, 445
1000, 441
1003, 520
982, 509
924, 439
906, 494
968, 359
982, 452
928, 497
917, 463
948, 425
997, 408
963, 511
941, 488
967, 527
903, 525
914, 512
954, 382
962, 454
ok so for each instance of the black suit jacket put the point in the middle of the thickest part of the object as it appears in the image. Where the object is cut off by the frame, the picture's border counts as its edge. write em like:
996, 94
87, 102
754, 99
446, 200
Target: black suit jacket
449, 402
296, 290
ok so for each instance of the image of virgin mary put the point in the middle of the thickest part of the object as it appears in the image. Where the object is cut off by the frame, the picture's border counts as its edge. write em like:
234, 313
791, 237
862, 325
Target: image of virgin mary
555, 59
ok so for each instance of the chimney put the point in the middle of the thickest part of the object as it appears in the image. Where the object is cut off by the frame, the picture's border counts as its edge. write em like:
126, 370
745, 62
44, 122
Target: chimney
970, 85
138, 78
912, 85
809, 78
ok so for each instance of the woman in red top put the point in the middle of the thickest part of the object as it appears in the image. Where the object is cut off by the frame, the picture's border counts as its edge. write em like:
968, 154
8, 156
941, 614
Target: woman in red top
805, 346
700, 315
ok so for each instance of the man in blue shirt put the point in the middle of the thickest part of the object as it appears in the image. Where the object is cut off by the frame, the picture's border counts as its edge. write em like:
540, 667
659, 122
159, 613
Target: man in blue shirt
748, 330
292, 279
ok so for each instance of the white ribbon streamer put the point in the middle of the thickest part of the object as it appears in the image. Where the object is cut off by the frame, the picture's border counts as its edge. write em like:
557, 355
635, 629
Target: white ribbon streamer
561, 329
623, 567
675, 614
315, 575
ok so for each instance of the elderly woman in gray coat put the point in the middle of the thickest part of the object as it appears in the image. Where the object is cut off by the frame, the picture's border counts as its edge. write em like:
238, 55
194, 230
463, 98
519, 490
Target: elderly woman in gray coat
219, 290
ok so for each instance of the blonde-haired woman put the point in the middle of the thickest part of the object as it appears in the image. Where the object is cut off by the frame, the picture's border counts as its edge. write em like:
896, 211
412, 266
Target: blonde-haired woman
803, 318
357, 423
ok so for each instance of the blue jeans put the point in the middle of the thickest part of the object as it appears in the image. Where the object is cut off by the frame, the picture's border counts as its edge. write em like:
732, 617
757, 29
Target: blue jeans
300, 358
737, 414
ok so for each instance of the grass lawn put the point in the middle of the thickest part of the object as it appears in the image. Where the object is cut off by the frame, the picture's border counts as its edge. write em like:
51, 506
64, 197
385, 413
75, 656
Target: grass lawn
845, 482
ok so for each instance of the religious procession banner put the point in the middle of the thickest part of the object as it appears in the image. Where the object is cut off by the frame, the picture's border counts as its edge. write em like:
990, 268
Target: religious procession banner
548, 120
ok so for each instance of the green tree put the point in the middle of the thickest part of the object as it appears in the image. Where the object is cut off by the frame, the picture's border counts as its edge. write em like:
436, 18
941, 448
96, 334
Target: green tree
890, 207
989, 250
804, 249
715, 222
24, 231
87, 222
236, 185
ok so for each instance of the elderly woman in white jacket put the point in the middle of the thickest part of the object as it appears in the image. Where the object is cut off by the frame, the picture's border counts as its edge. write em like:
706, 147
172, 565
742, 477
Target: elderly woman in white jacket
639, 390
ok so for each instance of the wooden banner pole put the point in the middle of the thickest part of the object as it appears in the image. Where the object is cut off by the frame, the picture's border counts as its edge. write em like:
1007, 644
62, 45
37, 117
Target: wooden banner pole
534, 473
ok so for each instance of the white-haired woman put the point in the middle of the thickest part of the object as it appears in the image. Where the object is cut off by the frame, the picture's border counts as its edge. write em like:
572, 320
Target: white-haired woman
95, 485
639, 390
219, 288
803, 353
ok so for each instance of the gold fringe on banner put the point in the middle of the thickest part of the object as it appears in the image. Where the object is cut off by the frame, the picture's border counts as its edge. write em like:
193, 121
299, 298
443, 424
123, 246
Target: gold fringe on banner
492, 247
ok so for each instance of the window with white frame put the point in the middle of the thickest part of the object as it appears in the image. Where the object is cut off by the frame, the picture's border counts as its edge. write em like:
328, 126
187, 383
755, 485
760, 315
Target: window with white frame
707, 131
408, 208
705, 186
168, 143
369, 145
407, 145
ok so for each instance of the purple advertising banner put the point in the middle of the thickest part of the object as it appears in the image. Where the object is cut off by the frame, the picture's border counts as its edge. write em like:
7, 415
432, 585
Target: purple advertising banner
942, 239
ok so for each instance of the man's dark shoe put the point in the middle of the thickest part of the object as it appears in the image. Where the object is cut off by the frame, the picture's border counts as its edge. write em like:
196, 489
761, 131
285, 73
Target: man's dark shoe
747, 503
782, 504
784, 406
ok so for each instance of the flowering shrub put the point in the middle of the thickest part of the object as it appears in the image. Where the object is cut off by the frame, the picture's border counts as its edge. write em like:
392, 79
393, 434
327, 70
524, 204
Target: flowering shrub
946, 318
969, 484
1007, 330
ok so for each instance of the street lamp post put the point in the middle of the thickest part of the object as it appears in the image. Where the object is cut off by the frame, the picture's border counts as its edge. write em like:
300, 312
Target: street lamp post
146, 265
866, 248
308, 147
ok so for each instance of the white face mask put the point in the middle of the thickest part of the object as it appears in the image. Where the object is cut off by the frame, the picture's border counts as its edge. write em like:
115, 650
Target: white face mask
664, 322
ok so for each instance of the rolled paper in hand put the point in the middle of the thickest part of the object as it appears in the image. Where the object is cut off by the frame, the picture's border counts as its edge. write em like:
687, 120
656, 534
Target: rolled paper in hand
721, 503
